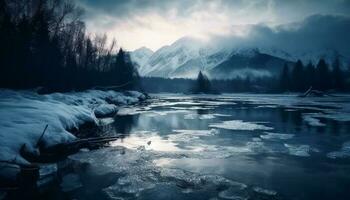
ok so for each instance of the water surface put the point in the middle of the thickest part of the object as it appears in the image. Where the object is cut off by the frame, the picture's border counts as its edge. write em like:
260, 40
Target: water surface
221, 147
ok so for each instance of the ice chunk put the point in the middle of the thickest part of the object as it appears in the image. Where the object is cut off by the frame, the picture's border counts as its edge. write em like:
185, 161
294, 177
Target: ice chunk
272, 136
105, 110
300, 150
240, 125
235, 193
343, 153
312, 120
264, 191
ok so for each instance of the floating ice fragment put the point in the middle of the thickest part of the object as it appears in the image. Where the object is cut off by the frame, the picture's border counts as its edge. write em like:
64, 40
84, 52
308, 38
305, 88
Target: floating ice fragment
300, 150
264, 191
240, 125
235, 193
195, 116
343, 153
271, 136
312, 120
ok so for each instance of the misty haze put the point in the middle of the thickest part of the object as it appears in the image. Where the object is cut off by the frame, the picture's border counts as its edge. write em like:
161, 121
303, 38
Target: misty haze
175, 99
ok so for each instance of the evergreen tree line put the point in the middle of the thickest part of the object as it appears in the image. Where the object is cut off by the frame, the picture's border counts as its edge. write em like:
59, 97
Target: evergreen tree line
44, 43
321, 77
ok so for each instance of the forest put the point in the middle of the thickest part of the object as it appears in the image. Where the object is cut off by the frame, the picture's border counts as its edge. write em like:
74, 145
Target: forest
293, 78
44, 43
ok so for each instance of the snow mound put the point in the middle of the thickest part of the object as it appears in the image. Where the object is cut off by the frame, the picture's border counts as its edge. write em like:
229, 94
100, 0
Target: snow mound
240, 125
105, 110
24, 115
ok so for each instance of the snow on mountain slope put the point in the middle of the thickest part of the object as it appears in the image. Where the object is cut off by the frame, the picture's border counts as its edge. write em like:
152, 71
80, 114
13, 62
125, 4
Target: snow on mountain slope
187, 56
140, 57
248, 62
183, 58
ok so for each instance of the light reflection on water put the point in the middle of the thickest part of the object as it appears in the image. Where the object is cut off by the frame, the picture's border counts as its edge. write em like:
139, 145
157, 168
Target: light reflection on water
264, 142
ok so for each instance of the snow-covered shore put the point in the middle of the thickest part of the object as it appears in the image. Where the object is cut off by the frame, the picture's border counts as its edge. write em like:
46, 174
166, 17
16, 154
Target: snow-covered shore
24, 115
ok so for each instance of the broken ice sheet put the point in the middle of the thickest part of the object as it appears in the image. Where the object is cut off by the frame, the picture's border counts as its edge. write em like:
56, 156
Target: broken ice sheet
197, 116
264, 191
240, 125
344, 152
300, 150
312, 120
272, 136
149, 142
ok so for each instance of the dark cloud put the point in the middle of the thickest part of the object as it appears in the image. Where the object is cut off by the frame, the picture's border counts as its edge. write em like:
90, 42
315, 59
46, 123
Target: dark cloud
327, 28
317, 32
282, 8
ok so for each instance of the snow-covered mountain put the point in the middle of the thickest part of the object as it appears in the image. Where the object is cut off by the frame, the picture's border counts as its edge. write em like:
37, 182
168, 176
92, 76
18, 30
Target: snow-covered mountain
187, 56
183, 58
140, 57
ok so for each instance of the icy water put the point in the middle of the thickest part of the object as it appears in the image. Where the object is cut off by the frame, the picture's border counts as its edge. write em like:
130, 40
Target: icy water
220, 147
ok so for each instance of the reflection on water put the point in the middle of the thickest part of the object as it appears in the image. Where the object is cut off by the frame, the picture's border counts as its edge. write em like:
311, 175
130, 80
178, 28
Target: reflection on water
227, 147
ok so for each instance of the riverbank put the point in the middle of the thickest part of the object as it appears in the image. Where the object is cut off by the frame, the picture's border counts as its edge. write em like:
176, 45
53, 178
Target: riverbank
25, 114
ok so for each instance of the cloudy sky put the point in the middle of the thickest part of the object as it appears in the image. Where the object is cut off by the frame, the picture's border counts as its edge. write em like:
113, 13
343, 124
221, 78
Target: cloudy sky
155, 23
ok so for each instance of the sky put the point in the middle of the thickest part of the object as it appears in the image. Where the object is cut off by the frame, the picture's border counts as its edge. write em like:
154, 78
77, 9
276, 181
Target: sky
155, 23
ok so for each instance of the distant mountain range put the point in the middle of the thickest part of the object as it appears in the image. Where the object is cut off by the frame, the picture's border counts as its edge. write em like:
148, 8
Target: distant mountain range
187, 56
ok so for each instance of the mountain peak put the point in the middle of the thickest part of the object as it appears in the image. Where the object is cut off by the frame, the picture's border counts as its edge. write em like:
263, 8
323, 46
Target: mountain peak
143, 50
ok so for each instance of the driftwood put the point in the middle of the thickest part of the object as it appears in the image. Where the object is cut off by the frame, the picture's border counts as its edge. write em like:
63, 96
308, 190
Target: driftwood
113, 87
60, 151
313, 93
41, 137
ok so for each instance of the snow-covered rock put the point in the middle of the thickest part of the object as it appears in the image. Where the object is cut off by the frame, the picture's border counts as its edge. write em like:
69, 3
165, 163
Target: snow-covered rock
24, 115
105, 110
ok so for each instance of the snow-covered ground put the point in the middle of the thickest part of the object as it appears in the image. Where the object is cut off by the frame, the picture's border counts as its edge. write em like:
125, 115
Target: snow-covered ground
24, 115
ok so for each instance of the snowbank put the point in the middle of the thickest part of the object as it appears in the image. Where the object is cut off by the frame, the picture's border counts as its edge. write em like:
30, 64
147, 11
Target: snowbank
24, 114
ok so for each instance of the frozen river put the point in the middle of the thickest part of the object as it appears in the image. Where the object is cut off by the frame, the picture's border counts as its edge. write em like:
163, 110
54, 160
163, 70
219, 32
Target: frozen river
220, 147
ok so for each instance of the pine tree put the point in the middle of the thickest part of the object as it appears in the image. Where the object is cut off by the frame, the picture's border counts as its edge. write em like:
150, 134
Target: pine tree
298, 76
323, 76
310, 74
125, 73
337, 76
203, 84
285, 79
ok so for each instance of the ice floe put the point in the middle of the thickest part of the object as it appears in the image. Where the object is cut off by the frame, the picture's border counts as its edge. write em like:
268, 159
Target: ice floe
272, 136
311, 119
300, 150
344, 152
240, 125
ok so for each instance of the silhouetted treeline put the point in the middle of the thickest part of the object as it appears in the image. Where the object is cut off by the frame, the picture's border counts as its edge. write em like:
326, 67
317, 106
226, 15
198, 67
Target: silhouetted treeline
44, 43
181, 85
321, 77
293, 78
